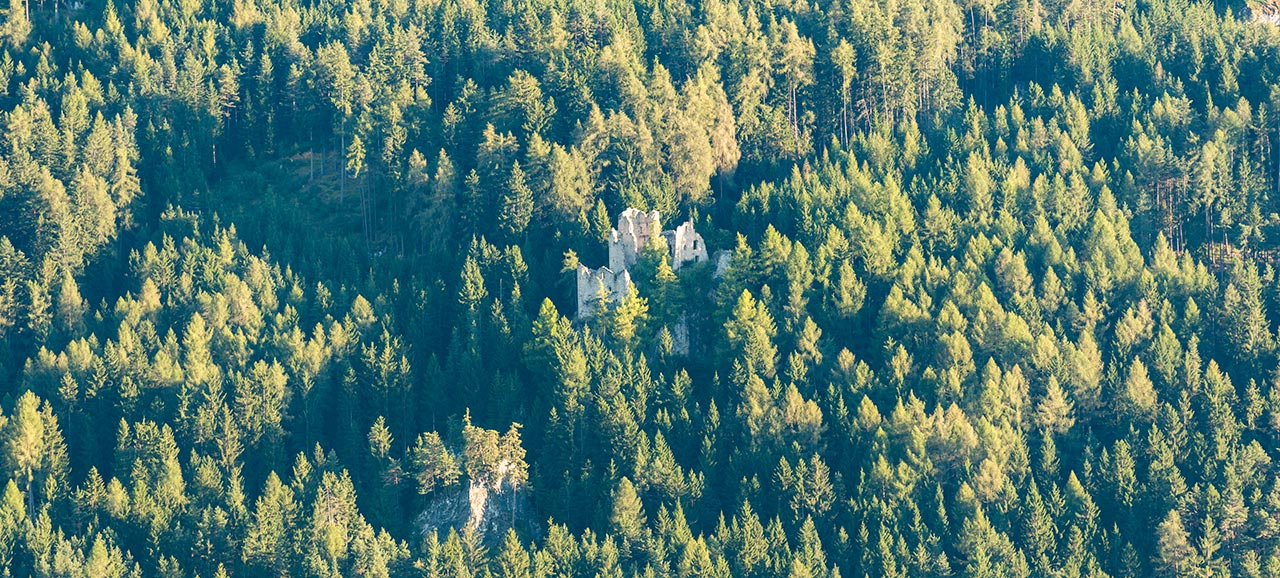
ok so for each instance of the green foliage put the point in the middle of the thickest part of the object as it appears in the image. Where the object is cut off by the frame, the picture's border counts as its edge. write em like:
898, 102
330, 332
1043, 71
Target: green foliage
997, 297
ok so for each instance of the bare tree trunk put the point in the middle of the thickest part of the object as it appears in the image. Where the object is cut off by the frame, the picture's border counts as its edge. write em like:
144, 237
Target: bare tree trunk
342, 169
844, 116
31, 499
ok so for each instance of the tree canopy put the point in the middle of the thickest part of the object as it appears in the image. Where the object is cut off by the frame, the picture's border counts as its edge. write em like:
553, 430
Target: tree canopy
287, 288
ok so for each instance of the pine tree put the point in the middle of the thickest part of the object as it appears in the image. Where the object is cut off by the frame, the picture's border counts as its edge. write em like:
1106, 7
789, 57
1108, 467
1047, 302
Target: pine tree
749, 334
17, 24
355, 157
511, 448
1244, 317
627, 517
692, 160
334, 520
513, 561
1175, 554
1055, 412
39, 318
387, 467
850, 291
628, 317
433, 464
481, 454
472, 291
1048, 463
13, 517
843, 58
795, 56
1140, 394
25, 446
517, 204
267, 543
71, 307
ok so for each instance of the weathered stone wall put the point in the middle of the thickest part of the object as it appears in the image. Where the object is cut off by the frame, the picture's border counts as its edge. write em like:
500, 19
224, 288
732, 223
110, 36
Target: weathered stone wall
686, 245
589, 282
635, 230
635, 227
680, 336
723, 256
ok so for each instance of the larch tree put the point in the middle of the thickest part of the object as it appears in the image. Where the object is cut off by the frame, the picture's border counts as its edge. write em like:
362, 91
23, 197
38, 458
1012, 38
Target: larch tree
434, 466
517, 205
627, 516
25, 445
795, 55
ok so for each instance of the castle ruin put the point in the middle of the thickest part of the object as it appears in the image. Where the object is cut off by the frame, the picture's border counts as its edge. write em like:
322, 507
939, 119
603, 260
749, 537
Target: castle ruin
597, 285
635, 230
633, 233
685, 245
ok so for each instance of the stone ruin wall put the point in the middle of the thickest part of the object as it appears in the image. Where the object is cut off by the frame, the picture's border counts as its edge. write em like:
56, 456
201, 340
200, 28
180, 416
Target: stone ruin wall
589, 281
686, 245
631, 236
633, 233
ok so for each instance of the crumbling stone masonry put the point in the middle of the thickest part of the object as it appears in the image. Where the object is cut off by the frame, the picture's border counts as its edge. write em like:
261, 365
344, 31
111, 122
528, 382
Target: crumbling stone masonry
590, 284
686, 245
635, 228
626, 241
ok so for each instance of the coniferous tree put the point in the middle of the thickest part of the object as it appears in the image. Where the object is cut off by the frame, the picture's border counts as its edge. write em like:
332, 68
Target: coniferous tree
1022, 253
517, 204
433, 464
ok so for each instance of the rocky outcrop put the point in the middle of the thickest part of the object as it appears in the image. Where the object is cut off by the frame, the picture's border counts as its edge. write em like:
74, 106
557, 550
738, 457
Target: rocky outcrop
1266, 11
478, 508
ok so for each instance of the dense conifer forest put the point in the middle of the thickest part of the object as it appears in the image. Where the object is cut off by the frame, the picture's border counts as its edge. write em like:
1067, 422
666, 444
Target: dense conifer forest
288, 288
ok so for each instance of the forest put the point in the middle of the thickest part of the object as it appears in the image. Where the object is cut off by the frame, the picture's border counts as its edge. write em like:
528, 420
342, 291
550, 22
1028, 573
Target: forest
290, 288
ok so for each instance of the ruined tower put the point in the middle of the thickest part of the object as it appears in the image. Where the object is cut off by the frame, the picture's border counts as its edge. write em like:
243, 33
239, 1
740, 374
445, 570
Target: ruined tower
631, 236
636, 228
597, 285
686, 245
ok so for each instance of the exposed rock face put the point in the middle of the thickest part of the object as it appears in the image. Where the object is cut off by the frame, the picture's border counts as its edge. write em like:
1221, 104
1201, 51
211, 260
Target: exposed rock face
722, 262
478, 508
1267, 11
634, 232
680, 336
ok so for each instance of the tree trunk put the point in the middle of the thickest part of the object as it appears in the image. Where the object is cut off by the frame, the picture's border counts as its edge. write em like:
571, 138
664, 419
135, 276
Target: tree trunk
342, 172
31, 499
